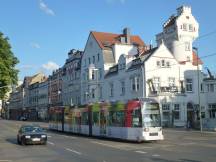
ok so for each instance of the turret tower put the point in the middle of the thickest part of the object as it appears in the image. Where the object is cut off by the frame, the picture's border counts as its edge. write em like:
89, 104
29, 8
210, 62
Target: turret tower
179, 32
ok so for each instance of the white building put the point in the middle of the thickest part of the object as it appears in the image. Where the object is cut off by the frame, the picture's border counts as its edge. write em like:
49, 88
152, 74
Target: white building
116, 68
102, 51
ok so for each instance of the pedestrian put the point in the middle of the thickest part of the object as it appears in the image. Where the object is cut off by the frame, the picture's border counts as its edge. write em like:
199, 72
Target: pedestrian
188, 124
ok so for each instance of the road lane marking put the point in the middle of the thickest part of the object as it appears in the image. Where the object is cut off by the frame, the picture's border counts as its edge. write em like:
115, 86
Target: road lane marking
5, 160
49, 136
51, 143
141, 152
74, 151
155, 155
104, 144
69, 137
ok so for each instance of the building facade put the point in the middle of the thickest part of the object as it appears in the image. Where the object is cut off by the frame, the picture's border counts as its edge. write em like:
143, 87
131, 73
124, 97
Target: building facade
71, 87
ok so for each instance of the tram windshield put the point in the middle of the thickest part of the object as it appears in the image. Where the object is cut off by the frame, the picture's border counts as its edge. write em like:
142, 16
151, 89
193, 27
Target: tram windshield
151, 115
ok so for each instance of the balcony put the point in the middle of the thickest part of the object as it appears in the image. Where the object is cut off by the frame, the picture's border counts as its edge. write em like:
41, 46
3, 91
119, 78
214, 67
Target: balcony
168, 90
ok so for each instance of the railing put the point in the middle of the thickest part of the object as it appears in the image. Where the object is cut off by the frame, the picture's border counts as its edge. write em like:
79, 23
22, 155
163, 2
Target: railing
168, 90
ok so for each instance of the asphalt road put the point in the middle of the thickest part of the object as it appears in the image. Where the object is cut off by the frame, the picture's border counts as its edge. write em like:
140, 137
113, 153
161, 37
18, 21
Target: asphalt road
179, 146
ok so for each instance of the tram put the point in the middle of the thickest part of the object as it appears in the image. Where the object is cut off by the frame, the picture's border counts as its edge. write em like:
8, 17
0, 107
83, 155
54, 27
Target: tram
137, 120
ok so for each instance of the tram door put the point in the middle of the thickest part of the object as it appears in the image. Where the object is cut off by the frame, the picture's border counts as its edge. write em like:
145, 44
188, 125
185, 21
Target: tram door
103, 122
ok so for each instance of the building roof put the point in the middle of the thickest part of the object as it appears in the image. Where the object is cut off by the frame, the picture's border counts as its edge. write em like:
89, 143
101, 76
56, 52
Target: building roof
196, 59
171, 21
112, 71
107, 39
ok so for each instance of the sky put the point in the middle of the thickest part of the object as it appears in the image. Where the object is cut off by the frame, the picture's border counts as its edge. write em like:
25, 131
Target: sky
41, 32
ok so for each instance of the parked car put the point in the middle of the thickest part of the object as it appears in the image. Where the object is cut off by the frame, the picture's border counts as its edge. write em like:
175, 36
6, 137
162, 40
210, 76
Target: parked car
31, 134
23, 118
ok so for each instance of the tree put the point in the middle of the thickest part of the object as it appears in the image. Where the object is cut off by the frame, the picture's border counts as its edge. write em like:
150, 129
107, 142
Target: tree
8, 72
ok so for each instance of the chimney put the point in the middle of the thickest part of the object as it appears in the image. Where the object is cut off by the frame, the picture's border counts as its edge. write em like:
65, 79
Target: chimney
126, 32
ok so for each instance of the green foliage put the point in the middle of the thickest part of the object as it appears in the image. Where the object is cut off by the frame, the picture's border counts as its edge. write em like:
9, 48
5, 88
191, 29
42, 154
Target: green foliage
8, 72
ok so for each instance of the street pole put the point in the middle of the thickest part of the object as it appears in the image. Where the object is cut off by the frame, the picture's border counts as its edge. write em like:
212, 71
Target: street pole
198, 82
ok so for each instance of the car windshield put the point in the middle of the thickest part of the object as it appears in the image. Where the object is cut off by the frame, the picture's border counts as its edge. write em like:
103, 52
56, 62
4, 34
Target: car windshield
32, 129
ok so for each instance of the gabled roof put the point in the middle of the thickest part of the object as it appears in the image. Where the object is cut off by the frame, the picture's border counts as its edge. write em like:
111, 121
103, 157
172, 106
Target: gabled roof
107, 39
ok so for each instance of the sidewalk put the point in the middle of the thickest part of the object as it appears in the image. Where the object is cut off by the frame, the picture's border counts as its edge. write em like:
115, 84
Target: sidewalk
188, 130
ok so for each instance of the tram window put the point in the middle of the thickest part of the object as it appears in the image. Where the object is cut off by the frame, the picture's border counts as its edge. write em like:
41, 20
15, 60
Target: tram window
136, 118
95, 118
116, 118
84, 118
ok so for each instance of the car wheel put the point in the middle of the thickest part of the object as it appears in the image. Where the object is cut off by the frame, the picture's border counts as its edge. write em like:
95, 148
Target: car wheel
45, 143
22, 142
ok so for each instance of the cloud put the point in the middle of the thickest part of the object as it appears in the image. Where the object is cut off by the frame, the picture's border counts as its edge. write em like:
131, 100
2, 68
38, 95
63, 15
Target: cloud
35, 45
113, 1
50, 65
45, 8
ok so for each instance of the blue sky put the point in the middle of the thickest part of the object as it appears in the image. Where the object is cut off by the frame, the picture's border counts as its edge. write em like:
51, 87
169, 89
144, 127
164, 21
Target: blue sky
42, 32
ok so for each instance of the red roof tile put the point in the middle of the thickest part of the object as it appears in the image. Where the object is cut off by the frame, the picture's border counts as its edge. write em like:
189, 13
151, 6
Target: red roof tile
108, 39
196, 59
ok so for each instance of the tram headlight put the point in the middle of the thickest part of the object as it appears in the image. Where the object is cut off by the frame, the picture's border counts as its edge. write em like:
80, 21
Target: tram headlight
146, 129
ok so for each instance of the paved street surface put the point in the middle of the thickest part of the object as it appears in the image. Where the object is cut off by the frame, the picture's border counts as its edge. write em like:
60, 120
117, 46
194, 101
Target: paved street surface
179, 145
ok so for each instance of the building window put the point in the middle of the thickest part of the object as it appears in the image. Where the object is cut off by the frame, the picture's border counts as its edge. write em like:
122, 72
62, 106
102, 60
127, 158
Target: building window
210, 87
187, 46
189, 85
111, 89
185, 27
100, 73
176, 113
101, 91
168, 64
201, 87
93, 93
188, 58
165, 107
171, 81
98, 57
166, 113
135, 84
85, 62
89, 60
156, 82
190, 27
158, 63
93, 59
163, 63
122, 87
212, 110
93, 74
